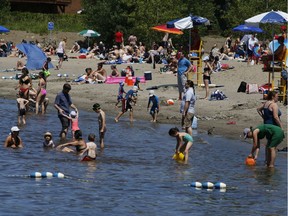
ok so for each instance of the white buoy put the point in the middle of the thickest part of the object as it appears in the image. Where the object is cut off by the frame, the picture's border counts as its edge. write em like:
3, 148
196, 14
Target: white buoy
220, 185
58, 175
47, 175
207, 185
196, 184
36, 175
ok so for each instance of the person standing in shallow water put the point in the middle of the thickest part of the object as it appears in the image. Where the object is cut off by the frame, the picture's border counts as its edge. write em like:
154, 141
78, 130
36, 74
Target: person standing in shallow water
63, 103
274, 136
102, 123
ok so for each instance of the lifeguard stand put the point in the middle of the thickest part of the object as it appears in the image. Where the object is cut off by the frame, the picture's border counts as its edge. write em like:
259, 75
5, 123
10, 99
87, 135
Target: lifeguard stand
277, 81
195, 57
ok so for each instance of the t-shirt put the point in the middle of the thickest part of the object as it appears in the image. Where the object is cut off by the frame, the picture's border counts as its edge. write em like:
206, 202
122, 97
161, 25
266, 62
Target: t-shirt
118, 37
154, 100
64, 101
129, 94
188, 96
183, 65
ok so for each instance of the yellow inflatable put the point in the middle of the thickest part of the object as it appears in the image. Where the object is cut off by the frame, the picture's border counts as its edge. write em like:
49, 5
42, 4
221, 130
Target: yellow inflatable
179, 156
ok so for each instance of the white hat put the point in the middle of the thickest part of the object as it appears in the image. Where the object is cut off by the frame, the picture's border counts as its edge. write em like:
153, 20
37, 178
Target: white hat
151, 93
246, 131
135, 88
73, 113
15, 129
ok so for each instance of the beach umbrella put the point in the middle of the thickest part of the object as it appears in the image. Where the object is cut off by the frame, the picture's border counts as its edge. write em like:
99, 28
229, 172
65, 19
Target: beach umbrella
35, 56
89, 33
187, 22
272, 17
163, 28
3, 29
247, 28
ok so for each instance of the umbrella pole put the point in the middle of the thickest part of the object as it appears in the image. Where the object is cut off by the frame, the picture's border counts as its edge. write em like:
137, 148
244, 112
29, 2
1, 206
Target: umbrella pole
273, 57
190, 41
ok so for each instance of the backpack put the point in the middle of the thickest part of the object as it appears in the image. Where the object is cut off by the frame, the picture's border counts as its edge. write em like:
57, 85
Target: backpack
242, 87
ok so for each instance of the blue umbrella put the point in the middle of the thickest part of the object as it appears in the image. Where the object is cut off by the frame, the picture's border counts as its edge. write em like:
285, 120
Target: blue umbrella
274, 17
3, 29
35, 56
247, 28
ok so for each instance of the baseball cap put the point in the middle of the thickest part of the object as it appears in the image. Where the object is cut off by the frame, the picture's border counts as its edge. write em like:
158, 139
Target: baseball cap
245, 132
73, 113
15, 129
121, 83
135, 88
96, 106
151, 93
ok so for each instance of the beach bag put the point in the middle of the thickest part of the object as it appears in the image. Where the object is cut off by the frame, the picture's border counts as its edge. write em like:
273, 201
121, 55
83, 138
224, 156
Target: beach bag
242, 87
252, 88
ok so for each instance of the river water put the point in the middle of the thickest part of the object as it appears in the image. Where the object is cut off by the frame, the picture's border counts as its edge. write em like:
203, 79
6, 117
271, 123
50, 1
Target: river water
135, 174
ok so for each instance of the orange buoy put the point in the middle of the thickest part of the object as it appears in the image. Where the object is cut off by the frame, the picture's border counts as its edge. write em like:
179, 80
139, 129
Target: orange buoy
250, 161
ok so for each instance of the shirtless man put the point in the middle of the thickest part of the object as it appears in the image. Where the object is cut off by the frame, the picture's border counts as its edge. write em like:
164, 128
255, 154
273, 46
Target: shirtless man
100, 74
13, 140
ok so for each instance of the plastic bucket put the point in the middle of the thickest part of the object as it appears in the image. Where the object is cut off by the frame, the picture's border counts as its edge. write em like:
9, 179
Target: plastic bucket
148, 75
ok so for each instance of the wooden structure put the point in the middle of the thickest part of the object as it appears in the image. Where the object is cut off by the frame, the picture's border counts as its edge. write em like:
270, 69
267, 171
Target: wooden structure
46, 6
276, 80
195, 57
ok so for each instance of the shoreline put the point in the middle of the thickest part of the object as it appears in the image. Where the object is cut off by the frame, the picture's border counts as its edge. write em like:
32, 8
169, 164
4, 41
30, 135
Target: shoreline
239, 108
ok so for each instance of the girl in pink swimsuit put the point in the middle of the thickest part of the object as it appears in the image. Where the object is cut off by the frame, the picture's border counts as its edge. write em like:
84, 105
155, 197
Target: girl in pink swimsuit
74, 122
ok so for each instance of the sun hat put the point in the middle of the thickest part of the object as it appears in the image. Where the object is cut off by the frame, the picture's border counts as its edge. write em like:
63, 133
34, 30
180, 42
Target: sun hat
246, 131
173, 54
135, 88
151, 93
15, 129
96, 106
73, 113
47, 134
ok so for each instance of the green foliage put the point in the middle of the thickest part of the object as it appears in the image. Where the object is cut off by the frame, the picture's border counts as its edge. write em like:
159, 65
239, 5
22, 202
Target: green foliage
38, 23
4, 10
138, 16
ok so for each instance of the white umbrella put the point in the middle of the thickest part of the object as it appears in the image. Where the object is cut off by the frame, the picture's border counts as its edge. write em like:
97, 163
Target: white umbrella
273, 17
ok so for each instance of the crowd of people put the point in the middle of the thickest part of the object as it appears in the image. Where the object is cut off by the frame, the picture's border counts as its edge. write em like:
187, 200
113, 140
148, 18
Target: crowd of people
136, 51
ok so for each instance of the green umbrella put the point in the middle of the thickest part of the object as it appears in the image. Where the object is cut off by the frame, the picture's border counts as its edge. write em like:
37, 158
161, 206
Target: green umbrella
89, 33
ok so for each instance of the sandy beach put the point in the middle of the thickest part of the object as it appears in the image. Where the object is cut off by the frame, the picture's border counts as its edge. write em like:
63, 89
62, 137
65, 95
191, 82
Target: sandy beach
229, 116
